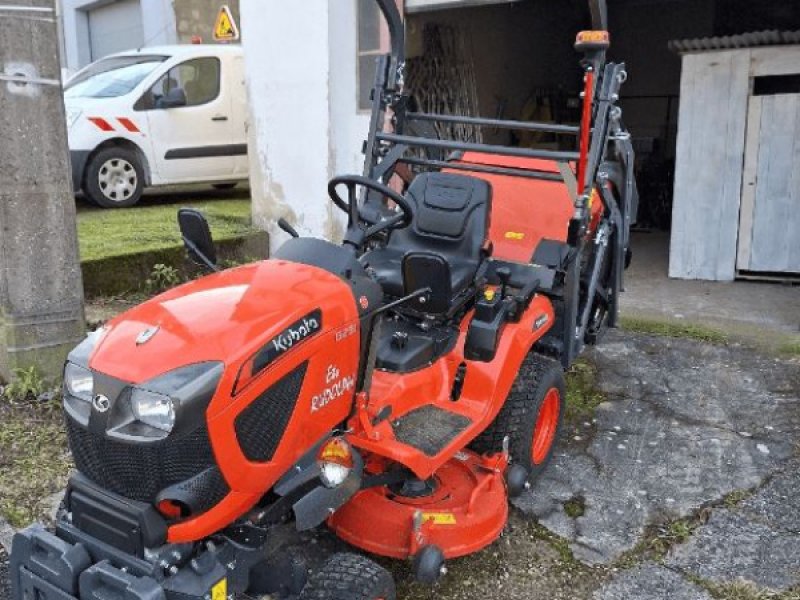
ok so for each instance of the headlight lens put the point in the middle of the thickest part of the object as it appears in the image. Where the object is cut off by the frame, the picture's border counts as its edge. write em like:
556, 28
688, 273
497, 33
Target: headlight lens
155, 410
335, 462
79, 381
73, 114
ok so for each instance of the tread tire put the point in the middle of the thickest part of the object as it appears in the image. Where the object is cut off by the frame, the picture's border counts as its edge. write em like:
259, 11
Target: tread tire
349, 576
517, 418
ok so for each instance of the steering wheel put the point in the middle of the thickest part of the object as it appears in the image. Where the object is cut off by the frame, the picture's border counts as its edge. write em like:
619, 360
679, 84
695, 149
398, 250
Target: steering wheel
360, 226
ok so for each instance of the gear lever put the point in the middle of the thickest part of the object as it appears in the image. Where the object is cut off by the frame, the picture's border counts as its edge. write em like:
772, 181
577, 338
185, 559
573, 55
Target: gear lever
504, 275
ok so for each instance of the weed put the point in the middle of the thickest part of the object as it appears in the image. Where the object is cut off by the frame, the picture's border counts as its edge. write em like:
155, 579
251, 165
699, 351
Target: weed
34, 459
583, 397
575, 507
26, 384
676, 330
741, 590
735, 498
791, 348
162, 277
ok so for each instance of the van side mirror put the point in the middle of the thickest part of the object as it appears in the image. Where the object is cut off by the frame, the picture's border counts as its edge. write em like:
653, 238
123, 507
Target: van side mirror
174, 98
423, 270
197, 238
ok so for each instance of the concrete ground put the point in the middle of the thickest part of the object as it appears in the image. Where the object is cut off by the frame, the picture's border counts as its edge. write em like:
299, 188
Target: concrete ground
766, 313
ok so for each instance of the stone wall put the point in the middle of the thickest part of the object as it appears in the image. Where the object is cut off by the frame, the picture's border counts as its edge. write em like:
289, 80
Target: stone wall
197, 17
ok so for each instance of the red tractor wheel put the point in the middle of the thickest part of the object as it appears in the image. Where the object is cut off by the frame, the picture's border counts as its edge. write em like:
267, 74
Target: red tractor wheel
349, 577
531, 417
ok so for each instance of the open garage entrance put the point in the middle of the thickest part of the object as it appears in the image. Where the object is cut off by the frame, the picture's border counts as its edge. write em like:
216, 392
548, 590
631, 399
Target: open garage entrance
515, 60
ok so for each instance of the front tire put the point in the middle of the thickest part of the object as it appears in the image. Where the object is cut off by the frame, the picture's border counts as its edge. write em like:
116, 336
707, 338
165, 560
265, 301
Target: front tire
114, 178
350, 577
531, 417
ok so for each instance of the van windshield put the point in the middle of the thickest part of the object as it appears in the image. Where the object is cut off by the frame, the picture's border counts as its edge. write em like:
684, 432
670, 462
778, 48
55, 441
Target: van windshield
112, 77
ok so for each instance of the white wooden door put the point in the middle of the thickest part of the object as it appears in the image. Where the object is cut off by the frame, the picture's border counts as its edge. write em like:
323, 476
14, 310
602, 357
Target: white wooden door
769, 225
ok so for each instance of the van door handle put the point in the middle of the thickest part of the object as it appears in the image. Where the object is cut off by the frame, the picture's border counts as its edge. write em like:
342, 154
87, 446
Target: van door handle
219, 118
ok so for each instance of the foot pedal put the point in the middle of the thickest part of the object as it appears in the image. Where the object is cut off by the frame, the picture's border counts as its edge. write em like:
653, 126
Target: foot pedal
429, 428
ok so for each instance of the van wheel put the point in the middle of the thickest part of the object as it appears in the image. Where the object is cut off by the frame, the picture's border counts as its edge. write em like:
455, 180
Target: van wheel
114, 178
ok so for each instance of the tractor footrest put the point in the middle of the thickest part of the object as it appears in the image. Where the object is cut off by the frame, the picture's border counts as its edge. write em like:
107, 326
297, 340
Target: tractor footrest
429, 429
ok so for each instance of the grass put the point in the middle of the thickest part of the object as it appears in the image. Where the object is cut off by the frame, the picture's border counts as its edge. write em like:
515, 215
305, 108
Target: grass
673, 329
791, 348
741, 590
109, 233
34, 459
583, 397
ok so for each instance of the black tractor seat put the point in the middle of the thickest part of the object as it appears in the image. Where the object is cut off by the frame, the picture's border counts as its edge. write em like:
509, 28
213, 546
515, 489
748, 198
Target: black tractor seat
451, 221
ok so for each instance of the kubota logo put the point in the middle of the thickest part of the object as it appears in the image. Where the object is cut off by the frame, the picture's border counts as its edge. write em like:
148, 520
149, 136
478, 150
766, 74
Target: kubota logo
296, 333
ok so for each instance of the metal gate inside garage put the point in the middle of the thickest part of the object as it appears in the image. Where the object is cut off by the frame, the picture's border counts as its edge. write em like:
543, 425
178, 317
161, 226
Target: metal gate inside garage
115, 27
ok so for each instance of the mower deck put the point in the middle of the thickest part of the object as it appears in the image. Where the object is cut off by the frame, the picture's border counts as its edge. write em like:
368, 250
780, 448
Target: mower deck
464, 512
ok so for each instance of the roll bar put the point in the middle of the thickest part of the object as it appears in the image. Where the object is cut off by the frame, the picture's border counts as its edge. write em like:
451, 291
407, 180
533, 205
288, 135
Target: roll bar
599, 12
397, 36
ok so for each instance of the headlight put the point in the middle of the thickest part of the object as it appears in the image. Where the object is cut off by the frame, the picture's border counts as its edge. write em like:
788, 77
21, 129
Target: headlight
79, 381
73, 114
153, 409
335, 462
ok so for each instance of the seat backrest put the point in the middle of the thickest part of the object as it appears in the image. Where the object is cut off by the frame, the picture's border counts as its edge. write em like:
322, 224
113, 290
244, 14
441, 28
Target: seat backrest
451, 216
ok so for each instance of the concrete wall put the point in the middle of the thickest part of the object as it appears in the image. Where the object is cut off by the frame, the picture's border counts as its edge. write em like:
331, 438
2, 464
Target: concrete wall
158, 20
305, 126
197, 17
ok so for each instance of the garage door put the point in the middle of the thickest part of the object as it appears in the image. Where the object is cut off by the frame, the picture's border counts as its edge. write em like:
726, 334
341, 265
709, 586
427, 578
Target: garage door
413, 6
115, 27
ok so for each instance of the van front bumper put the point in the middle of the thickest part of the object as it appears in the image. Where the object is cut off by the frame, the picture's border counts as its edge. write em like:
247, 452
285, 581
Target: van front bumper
78, 160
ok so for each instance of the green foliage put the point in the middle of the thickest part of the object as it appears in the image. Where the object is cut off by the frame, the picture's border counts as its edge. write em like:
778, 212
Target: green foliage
672, 329
791, 348
575, 507
162, 278
583, 397
26, 384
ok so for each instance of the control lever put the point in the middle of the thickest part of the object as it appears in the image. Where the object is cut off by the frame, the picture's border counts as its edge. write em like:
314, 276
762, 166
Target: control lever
504, 275
284, 224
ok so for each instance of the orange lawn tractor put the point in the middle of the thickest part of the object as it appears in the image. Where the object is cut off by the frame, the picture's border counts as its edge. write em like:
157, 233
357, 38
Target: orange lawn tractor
398, 387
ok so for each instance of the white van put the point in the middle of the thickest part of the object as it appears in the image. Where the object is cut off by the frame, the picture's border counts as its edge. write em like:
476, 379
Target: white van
157, 116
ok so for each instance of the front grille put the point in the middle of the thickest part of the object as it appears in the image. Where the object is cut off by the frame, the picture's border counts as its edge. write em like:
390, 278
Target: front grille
260, 426
139, 471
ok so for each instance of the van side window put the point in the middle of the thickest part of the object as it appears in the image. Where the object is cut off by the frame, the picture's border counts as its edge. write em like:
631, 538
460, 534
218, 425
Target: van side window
198, 79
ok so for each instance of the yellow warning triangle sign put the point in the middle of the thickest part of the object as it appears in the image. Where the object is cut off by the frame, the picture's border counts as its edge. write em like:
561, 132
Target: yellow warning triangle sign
225, 29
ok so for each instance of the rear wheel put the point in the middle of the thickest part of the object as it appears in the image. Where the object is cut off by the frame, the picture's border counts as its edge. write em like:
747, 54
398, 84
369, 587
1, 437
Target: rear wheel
350, 577
531, 417
114, 178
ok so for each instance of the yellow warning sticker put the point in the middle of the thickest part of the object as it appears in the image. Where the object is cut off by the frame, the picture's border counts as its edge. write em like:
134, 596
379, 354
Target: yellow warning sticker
439, 518
225, 29
514, 235
220, 590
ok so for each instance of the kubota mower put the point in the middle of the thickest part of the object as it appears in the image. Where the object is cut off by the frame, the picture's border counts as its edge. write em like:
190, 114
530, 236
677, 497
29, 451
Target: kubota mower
398, 387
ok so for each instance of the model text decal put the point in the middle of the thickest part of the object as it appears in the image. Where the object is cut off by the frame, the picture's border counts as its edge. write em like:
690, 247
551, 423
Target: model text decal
337, 386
